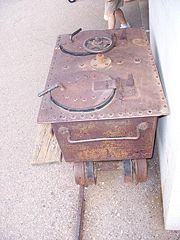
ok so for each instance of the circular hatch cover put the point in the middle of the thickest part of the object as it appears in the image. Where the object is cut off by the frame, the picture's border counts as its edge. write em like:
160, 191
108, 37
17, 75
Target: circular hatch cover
83, 91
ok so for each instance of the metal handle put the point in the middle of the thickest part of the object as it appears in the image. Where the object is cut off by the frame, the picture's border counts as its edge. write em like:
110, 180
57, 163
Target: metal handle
62, 88
76, 32
47, 90
141, 126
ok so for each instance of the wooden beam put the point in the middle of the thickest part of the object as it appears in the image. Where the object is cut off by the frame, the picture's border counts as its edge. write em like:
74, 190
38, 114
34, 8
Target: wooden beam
46, 148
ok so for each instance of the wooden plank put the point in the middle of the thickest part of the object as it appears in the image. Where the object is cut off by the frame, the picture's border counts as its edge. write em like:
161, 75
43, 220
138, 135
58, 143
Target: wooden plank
46, 148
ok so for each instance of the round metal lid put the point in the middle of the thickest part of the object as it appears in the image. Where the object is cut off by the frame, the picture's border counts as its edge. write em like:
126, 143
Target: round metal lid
84, 91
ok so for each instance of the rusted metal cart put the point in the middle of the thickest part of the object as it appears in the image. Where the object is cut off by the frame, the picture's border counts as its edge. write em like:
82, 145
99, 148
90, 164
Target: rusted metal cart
103, 97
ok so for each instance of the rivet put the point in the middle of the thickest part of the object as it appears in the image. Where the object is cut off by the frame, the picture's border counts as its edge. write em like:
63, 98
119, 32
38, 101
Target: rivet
120, 62
65, 67
73, 116
82, 65
137, 60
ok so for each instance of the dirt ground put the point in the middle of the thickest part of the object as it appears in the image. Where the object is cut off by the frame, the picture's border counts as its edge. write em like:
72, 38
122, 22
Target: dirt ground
40, 202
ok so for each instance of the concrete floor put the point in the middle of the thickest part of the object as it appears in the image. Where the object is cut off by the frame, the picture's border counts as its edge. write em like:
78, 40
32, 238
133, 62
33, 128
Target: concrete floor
41, 202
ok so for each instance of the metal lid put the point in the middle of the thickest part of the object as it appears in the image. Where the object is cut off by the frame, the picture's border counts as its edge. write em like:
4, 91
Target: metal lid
125, 85
83, 91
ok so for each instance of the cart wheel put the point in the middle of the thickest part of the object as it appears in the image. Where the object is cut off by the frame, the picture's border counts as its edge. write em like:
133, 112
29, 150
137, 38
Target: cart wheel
140, 170
128, 171
71, 1
84, 173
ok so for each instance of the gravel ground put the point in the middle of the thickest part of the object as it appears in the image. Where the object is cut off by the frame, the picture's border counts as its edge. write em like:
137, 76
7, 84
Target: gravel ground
41, 202
115, 210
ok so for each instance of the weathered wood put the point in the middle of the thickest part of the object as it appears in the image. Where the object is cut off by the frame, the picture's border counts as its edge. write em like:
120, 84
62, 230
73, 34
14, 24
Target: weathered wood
46, 148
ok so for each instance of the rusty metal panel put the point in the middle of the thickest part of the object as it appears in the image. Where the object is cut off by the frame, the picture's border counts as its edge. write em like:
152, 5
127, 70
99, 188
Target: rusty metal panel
106, 140
132, 86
